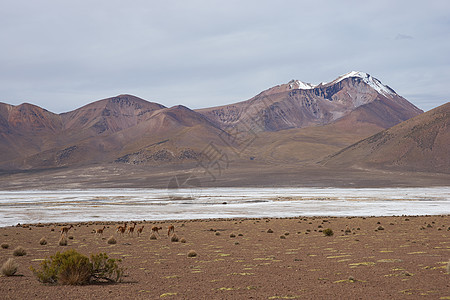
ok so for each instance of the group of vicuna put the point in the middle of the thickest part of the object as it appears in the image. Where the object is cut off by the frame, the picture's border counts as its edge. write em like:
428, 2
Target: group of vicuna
124, 229
130, 229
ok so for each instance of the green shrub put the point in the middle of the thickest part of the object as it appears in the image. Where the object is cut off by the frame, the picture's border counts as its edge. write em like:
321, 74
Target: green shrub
73, 268
9, 268
106, 268
328, 232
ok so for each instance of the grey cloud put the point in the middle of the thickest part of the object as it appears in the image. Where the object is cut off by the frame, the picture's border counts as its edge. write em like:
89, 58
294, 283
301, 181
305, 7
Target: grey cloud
61, 55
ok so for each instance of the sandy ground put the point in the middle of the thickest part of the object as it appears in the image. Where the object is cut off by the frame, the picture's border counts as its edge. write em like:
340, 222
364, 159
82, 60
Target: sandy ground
407, 259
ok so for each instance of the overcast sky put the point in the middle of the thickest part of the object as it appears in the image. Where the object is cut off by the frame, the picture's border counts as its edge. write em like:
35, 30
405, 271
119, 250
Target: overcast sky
61, 55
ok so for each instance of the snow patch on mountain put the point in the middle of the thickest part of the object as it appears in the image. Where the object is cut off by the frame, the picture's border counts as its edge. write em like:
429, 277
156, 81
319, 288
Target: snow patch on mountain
297, 84
368, 79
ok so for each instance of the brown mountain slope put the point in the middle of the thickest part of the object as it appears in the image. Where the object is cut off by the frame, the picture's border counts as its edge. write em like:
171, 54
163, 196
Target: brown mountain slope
26, 129
166, 135
419, 144
298, 105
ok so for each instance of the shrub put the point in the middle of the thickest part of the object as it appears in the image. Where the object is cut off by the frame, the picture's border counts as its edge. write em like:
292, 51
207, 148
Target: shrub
70, 237
283, 237
19, 251
5, 245
269, 231
217, 233
174, 238
183, 240
380, 228
232, 235
73, 268
153, 236
286, 233
9, 268
105, 268
240, 234
192, 253
112, 241
63, 241
43, 241
328, 232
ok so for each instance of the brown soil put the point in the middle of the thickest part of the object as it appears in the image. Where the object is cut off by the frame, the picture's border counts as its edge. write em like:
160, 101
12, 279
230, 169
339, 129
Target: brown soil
405, 260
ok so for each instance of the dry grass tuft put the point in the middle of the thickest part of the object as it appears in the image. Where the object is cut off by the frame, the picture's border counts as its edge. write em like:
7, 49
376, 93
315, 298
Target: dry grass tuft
269, 231
19, 251
283, 237
5, 245
62, 241
43, 241
112, 240
9, 268
192, 253
183, 240
153, 236
232, 235
174, 238
328, 232
217, 233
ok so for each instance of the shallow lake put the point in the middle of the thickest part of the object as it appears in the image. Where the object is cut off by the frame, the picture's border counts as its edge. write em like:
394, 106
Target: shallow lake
162, 204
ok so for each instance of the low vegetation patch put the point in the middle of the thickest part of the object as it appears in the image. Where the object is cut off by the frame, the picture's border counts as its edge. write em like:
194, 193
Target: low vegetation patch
328, 232
112, 241
43, 241
19, 251
9, 268
192, 253
73, 268
174, 238
5, 245
62, 241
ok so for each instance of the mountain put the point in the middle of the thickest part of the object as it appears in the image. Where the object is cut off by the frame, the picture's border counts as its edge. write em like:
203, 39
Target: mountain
295, 122
112, 129
356, 96
418, 144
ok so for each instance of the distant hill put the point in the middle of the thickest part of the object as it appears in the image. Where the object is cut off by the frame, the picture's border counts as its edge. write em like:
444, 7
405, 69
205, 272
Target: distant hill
418, 144
294, 122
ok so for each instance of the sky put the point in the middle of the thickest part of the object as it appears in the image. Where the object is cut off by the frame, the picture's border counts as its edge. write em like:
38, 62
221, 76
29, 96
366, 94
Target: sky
61, 55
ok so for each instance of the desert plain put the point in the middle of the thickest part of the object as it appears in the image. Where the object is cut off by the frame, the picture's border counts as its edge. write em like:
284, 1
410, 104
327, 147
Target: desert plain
402, 257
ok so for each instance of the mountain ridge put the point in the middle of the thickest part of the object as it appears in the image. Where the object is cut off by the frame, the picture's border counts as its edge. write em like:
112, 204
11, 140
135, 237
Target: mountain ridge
129, 129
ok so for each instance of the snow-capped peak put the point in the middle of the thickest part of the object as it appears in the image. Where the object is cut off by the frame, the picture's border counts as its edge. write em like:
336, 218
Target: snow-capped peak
371, 81
297, 84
